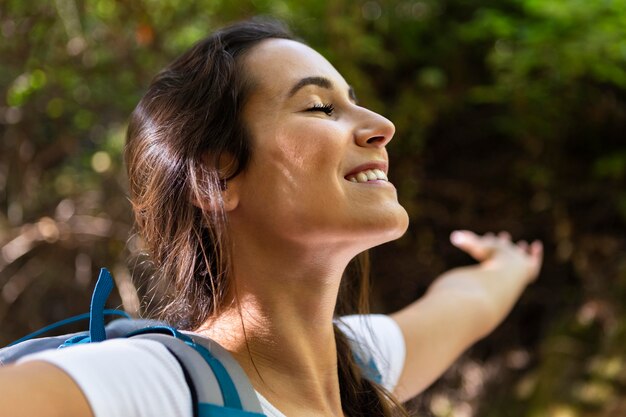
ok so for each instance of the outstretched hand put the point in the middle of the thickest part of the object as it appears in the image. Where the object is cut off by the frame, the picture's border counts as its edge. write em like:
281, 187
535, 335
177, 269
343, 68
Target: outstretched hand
464, 304
500, 251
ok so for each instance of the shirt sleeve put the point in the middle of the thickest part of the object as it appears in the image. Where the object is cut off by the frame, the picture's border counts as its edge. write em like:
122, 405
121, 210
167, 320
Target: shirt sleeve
379, 337
125, 377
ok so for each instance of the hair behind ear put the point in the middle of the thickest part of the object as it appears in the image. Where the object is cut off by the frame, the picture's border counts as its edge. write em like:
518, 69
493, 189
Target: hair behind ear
213, 187
189, 117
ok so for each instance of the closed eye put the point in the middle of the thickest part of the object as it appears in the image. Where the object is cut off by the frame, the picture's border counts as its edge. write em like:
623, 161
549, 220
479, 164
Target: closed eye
325, 108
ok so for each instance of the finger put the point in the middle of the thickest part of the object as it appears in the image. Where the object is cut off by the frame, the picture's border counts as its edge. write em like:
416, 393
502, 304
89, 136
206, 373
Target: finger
522, 244
489, 239
536, 250
536, 254
479, 248
504, 235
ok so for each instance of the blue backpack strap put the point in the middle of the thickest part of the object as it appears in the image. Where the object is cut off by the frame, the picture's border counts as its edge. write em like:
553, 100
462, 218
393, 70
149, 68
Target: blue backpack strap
369, 369
65, 322
247, 395
216, 390
96, 315
101, 293
221, 390
211, 410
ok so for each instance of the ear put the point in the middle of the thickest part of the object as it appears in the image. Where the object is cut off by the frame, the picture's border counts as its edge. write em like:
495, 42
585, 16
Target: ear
230, 193
229, 189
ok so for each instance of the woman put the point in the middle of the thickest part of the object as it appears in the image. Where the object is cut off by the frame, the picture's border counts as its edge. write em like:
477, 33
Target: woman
255, 179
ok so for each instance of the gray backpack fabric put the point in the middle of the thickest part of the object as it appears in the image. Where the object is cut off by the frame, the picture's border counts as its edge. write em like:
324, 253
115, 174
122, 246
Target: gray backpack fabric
218, 385
115, 329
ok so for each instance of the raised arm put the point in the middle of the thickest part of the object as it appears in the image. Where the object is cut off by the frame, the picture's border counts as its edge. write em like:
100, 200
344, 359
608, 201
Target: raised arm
40, 389
463, 305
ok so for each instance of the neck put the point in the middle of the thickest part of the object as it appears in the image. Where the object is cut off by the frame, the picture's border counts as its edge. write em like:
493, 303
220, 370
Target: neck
280, 324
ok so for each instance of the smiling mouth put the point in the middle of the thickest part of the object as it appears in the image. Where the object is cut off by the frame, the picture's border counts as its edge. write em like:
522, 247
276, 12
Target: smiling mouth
367, 176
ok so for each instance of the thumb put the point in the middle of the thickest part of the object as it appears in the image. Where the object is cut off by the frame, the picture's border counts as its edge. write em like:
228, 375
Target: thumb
479, 248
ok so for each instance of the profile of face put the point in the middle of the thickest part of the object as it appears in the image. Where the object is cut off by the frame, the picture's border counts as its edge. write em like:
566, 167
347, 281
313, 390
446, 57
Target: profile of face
318, 169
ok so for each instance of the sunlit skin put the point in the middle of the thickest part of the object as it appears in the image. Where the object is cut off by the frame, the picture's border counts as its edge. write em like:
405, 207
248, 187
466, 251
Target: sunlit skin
295, 221
294, 189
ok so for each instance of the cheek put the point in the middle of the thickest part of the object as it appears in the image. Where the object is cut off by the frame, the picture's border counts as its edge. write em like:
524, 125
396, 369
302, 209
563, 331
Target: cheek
288, 153
296, 167
314, 148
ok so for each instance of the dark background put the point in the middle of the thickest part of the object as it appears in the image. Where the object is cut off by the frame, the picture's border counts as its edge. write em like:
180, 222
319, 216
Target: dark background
510, 115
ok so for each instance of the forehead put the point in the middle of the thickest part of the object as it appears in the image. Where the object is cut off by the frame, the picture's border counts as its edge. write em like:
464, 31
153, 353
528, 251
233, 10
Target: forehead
275, 65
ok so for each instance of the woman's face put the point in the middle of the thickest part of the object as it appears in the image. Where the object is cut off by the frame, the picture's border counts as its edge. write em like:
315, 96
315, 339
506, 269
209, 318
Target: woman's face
319, 163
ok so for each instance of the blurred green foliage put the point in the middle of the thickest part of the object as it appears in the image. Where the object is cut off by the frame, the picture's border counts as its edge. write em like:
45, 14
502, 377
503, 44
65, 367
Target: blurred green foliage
510, 115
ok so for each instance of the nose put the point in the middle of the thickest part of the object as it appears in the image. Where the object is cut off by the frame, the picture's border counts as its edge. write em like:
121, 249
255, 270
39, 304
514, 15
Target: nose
374, 130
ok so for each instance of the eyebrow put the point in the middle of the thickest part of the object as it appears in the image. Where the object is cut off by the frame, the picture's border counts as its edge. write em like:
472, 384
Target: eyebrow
320, 82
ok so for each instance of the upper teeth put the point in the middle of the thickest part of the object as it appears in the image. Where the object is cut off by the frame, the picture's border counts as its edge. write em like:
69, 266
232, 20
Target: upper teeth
368, 175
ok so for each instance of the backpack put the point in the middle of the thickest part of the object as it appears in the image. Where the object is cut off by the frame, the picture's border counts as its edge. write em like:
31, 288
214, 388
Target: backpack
218, 385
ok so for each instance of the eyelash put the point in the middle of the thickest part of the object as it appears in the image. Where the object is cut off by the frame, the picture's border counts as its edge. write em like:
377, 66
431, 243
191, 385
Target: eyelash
326, 108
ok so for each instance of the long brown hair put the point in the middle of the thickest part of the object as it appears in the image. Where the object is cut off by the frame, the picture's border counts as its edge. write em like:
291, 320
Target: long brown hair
188, 119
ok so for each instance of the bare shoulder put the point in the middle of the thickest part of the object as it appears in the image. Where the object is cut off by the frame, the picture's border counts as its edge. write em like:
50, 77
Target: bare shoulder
39, 388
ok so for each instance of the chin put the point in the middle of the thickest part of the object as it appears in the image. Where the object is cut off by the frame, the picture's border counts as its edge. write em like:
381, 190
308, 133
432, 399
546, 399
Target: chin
399, 227
393, 226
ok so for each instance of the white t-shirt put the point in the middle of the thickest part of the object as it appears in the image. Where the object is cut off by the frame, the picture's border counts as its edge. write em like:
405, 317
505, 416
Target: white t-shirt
140, 378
